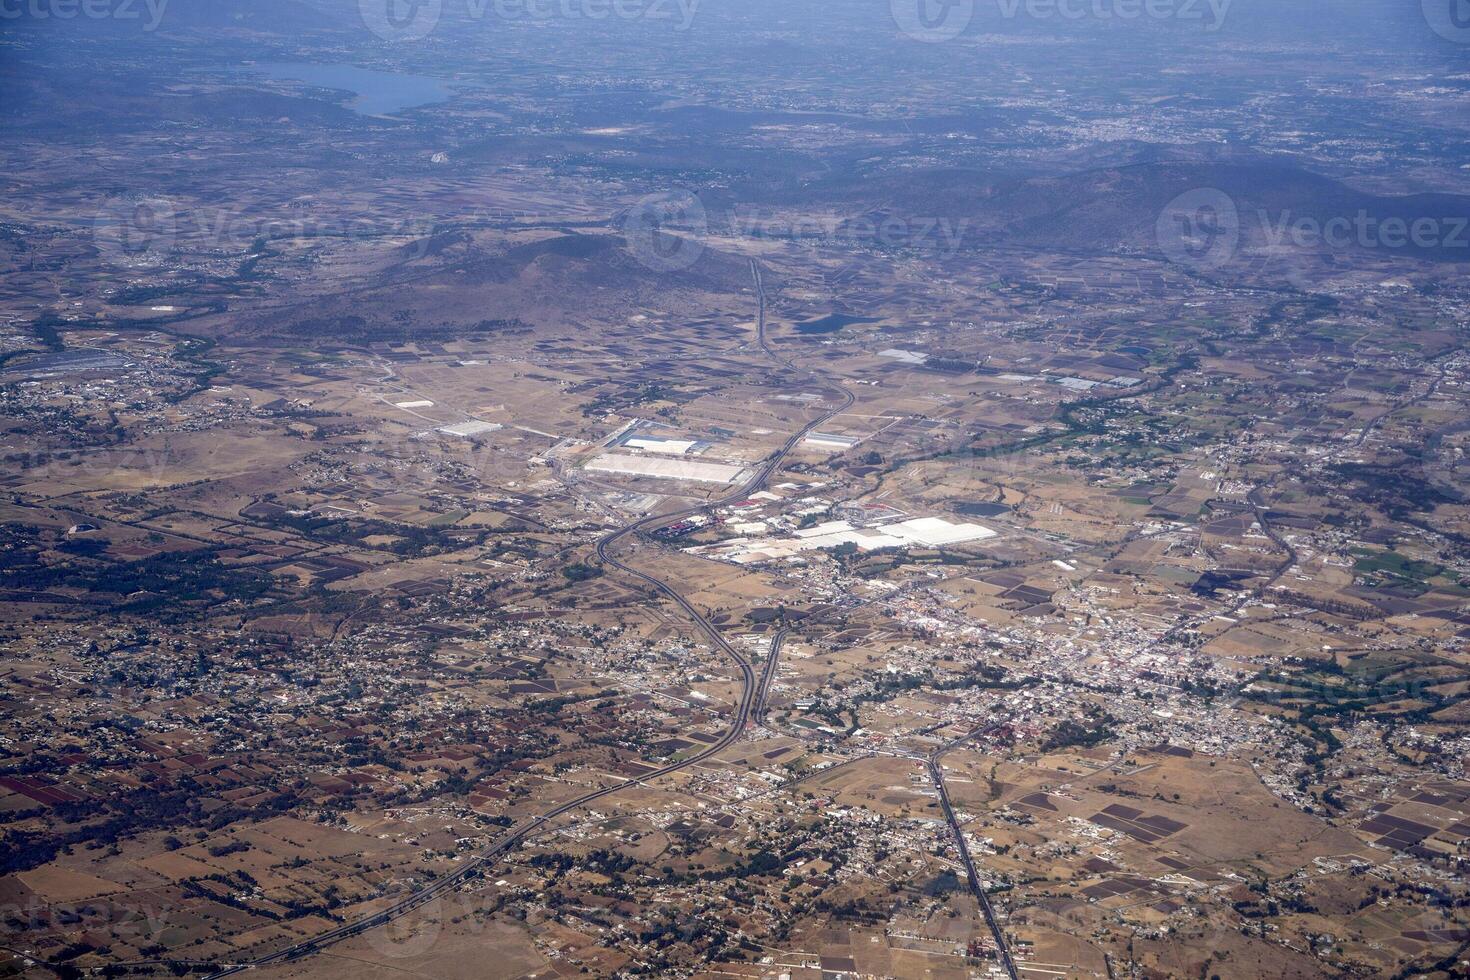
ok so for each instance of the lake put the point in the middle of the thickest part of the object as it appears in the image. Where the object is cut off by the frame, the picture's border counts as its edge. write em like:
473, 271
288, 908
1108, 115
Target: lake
831, 323
69, 362
376, 93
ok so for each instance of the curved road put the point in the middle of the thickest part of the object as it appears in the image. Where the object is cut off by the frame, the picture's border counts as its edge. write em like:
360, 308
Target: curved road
769, 673
751, 694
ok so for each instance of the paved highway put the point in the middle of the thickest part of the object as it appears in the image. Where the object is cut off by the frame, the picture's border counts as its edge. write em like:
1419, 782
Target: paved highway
769, 674
977, 887
751, 694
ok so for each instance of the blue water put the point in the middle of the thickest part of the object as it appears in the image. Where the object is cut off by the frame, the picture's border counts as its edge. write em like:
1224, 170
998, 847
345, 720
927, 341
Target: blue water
376, 93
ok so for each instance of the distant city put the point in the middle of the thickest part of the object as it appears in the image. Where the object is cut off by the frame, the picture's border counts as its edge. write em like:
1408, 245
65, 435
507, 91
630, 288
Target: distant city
702, 489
